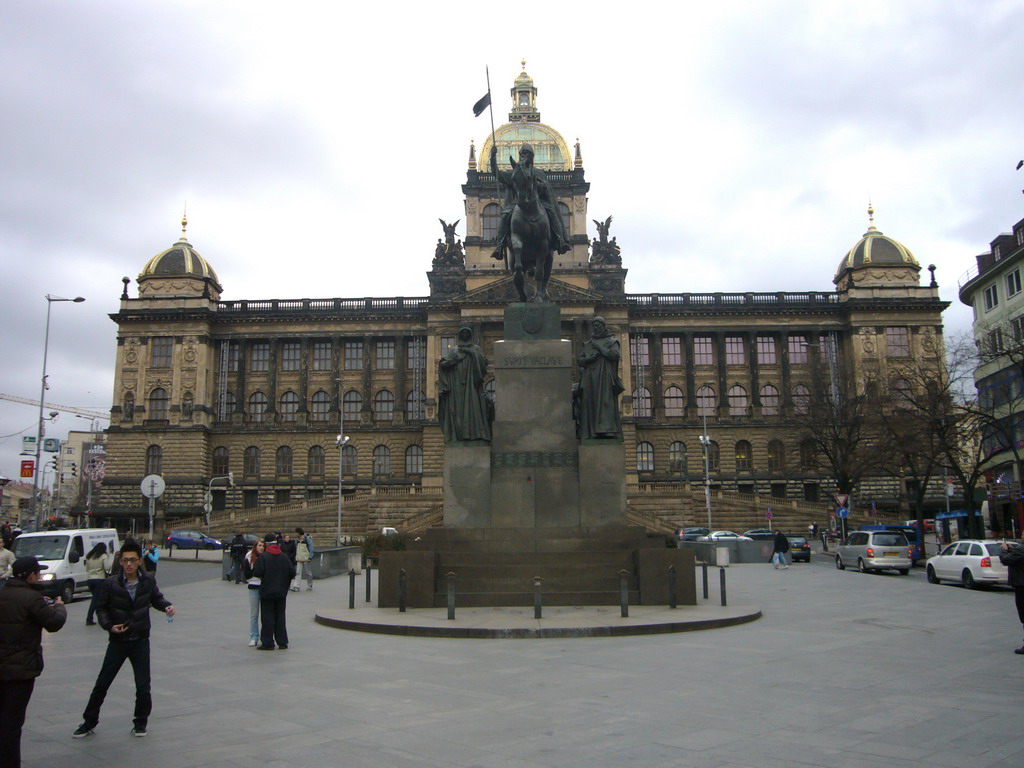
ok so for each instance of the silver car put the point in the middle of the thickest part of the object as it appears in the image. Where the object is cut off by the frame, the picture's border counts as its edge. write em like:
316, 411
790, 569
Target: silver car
875, 551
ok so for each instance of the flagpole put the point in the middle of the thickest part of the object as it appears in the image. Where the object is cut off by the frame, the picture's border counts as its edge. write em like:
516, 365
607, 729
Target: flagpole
494, 146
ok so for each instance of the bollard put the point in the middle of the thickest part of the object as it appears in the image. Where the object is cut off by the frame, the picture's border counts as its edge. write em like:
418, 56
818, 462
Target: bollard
367, 571
624, 593
672, 586
721, 578
704, 567
401, 590
351, 589
451, 596
537, 581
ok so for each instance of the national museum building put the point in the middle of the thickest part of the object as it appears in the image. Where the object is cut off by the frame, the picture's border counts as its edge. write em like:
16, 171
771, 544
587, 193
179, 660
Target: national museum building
260, 388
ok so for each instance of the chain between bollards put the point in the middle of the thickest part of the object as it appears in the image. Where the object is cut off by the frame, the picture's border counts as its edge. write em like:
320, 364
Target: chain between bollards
624, 593
351, 588
672, 596
704, 568
451, 595
721, 578
537, 582
401, 590
368, 569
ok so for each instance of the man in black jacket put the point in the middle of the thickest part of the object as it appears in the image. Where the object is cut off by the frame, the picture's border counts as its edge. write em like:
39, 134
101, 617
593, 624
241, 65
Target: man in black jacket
24, 614
275, 572
1012, 556
238, 551
122, 609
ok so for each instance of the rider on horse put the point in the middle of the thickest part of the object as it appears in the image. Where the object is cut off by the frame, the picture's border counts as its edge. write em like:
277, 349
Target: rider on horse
561, 242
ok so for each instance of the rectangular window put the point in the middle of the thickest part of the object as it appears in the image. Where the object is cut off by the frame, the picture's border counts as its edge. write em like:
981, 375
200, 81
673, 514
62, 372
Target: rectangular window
1017, 329
797, 349
766, 352
1013, 283
671, 350
991, 297
416, 354
703, 350
233, 356
897, 341
735, 354
353, 355
385, 355
291, 356
260, 360
994, 342
250, 499
282, 496
161, 351
447, 342
322, 356
640, 350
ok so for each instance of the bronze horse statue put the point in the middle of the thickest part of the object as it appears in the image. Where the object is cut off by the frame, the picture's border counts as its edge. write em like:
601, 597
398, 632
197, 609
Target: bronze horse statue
530, 234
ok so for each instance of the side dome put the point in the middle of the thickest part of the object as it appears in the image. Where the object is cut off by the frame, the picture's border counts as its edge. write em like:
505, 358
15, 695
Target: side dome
876, 250
179, 271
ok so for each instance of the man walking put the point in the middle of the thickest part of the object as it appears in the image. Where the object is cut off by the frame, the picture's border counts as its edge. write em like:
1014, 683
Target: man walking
1012, 556
24, 614
238, 550
123, 610
275, 572
780, 546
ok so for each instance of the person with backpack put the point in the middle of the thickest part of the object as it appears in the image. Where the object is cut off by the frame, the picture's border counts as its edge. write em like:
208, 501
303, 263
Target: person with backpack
303, 560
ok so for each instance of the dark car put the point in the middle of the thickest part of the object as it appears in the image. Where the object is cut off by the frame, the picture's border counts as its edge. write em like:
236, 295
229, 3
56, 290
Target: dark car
691, 534
760, 534
191, 540
799, 548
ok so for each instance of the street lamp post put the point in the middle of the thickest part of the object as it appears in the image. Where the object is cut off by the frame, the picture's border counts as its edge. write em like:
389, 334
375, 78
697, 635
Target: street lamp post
42, 397
341, 441
705, 441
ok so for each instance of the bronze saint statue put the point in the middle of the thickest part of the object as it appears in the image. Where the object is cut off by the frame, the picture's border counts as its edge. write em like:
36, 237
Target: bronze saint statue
462, 403
600, 385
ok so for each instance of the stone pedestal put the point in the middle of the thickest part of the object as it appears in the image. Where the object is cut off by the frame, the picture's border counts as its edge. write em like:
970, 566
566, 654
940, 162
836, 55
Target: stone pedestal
467, 485
602, 482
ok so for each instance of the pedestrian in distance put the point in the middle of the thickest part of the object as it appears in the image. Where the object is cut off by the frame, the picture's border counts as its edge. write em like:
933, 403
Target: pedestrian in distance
304, 551
238, 550
123, 611
275, 571
291, 550
1012, 556
98, 564
150, 556
24, 614
780, 546
253, 584
6, 562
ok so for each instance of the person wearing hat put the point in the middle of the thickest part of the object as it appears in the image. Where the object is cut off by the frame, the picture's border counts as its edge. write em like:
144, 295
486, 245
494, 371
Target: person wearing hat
275, 572
24, 614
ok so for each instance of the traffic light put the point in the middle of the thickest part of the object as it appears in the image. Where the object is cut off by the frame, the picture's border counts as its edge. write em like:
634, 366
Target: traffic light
73, 469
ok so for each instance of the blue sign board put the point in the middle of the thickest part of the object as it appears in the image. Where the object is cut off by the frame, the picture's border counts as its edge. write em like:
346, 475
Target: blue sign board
842, 512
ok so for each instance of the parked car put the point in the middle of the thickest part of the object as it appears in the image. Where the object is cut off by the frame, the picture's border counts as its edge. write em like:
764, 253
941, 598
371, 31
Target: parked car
972, 562
875, 551
929, 524
724, 536
691, 534
799, 548
914, 536
760, 534
191, 540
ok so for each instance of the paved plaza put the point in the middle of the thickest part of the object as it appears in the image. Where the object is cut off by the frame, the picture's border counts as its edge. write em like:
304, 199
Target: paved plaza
842, 669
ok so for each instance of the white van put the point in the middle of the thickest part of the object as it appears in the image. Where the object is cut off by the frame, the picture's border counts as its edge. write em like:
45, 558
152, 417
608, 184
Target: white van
63, 553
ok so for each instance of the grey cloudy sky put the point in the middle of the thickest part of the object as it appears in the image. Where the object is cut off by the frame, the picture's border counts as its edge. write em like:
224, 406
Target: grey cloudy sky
318, 143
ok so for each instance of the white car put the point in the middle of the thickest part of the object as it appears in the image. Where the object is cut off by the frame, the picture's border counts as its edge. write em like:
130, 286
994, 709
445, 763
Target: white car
724, 536
972, 562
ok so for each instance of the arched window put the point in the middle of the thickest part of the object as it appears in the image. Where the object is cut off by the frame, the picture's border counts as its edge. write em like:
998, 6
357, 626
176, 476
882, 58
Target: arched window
563, 211
352, 405
283, 464
157, 404
349, 460
257, 407
221, 466
251, 464
713, 456
321, 405
317, 460
415, 405
744, 456
414, 460
227, 407
737, 400
677, 459
808, 454
490, 218
154, 460
642, 403
801, 399
644, 457
384, 406
776, 456
289, 406
706, 401
674, 404
769, 400
902, 394
381, 461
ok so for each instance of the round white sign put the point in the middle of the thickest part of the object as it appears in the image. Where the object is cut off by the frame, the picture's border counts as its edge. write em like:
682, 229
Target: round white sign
153, 486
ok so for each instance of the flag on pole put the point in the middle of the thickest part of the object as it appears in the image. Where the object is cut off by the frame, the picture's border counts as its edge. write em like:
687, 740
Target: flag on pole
481, 105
